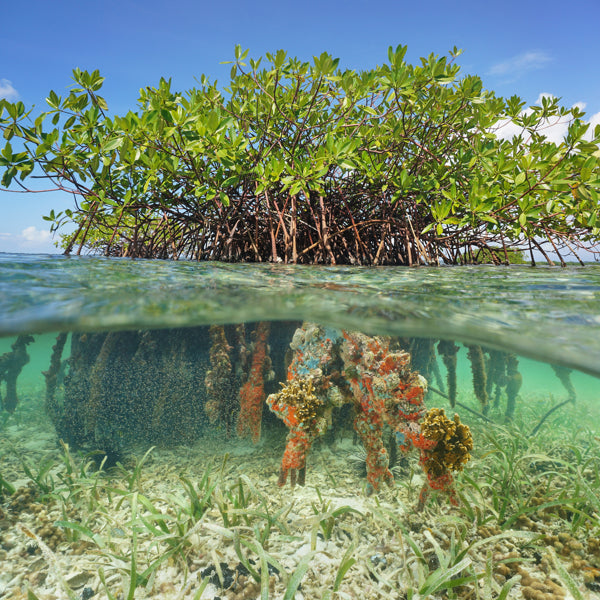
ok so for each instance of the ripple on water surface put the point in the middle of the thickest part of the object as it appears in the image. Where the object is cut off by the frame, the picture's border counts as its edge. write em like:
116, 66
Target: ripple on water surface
551, 314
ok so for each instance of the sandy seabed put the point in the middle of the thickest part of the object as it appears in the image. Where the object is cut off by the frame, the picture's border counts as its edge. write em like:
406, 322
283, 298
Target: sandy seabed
326, 524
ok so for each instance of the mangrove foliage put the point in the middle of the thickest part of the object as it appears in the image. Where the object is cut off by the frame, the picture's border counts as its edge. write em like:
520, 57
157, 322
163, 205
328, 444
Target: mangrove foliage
304, 162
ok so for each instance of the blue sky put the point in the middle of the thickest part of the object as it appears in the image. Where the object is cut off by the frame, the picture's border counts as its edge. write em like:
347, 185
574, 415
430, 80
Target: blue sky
522, 47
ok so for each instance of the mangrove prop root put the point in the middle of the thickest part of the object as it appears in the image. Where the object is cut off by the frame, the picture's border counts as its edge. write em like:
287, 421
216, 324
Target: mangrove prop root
331, 368
448, 351
11, 364
555, 407
461, 405
242, 354
386, 392
100, 378
475, 355
240, 365
496, 373
422, 356
564, 375
306, 401
252, 393
178, 382
302, 475
135, 385
218, 378
514, 380
436, 373
52, 375
85, 347
302, 411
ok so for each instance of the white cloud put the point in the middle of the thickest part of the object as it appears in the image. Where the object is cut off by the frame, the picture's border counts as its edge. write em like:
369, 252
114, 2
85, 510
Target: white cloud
37, 236
7, 90
30, 240
554, 129
519, 65
594, 121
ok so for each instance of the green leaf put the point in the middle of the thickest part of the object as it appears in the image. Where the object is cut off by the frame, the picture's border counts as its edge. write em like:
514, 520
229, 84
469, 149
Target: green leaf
112, 144
31, 594
52, 99
297, 576
417, 135
7, 152
97, 539
444, 578
520, 178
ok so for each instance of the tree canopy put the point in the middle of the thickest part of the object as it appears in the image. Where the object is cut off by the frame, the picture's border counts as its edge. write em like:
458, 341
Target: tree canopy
303, 162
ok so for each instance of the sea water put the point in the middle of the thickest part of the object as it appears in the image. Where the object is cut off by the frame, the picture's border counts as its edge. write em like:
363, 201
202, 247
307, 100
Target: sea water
191, 504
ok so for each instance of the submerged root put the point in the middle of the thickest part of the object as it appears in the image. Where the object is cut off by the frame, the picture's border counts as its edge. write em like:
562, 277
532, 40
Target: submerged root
448, 351
475, 355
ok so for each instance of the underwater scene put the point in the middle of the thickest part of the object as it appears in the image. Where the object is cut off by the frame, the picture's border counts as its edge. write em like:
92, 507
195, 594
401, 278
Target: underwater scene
217, 431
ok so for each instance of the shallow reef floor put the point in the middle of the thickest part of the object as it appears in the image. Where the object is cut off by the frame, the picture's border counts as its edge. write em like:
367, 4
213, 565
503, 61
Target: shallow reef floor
200, 522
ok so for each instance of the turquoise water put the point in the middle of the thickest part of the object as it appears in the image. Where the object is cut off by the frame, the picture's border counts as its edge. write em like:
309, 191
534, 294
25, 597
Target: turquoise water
545, 315
141, 381
549, 314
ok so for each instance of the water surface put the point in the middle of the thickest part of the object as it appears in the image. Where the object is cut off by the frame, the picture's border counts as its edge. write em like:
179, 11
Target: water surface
546, 313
